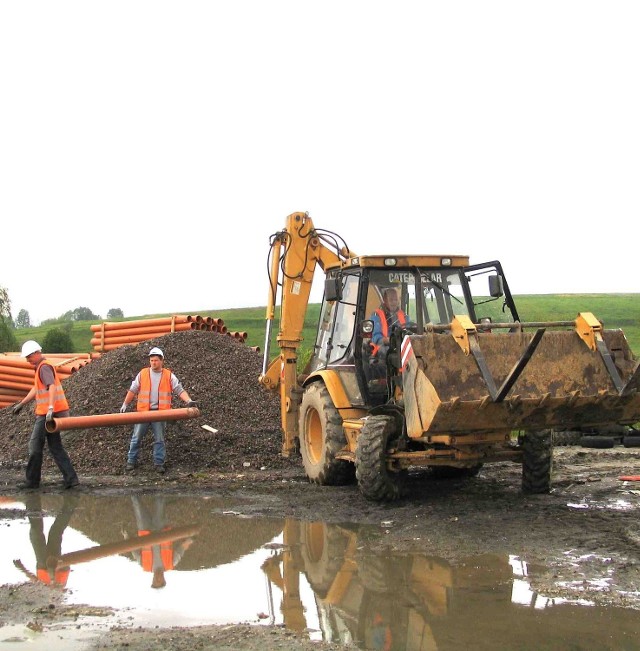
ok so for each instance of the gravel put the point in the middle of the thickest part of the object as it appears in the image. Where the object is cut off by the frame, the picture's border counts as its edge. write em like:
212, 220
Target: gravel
219, 373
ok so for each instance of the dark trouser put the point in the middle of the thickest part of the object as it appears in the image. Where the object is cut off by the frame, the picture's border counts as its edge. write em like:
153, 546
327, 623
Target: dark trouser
59, 454
52, 548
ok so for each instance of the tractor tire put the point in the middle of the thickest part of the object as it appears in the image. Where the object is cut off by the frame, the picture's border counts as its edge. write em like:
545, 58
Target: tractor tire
597, 442
566, 437
631, 441
322, 549
537, 461
376, 482
451, 472
321, 438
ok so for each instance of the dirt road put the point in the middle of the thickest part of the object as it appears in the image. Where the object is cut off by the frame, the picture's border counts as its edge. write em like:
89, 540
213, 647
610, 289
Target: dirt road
587, 527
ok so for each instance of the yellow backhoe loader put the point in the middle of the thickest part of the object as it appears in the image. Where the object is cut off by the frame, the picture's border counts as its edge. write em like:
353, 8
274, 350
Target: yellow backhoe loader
456, 382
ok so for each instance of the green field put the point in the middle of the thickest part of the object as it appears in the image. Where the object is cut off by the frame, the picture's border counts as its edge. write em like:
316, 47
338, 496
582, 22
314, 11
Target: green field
614, 310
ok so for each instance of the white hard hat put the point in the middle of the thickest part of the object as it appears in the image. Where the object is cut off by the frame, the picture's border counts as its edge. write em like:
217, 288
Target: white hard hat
30, 347
156, 351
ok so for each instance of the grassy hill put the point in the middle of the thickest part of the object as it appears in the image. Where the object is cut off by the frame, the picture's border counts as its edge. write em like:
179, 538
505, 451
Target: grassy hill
614, 310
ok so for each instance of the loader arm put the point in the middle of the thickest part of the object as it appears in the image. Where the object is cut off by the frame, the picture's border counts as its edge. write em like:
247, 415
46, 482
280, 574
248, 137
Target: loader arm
295, 251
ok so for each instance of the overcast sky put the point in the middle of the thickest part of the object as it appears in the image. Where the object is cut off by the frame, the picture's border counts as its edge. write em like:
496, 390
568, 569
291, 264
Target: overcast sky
149, 149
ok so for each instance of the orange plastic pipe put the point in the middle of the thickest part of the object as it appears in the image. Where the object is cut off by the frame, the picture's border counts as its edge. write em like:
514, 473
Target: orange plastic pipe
17, 372
15, 362
166, 328
110, 420
126, 339
107, 347
123, 546
141, 323
16, 385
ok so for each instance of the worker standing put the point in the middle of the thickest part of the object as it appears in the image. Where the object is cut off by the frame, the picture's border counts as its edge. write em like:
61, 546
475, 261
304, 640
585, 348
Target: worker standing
160, 557
154, 387
50, 401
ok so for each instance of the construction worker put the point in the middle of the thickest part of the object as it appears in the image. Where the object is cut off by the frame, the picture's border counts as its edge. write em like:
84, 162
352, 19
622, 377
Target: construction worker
154, 386
160, 557
384, 318
50, 402
48, 550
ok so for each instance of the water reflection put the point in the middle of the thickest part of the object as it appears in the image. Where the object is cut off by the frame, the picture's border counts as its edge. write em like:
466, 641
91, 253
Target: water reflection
319, 579
47, 549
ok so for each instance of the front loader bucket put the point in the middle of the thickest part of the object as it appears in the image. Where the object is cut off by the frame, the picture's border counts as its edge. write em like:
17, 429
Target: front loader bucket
518, 380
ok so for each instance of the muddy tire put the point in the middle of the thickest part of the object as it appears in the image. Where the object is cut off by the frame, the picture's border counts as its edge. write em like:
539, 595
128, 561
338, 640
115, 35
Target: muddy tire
537, 461
375, 480
322, 549
631, 441
321, 438
451, 472
597, 442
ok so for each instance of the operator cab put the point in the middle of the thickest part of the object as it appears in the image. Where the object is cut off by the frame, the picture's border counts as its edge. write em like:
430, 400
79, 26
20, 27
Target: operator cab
356, 305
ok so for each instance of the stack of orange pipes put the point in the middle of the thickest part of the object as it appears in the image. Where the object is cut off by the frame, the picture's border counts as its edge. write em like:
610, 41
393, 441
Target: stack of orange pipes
16, 374
113, 334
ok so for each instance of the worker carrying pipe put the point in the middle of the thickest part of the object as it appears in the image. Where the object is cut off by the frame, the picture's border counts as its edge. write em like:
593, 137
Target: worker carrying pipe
154, 387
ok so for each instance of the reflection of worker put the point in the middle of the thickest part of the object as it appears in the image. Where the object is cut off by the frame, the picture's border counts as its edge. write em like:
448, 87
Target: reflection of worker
154, 387
384, 318
47, 551
50, 401
163, 556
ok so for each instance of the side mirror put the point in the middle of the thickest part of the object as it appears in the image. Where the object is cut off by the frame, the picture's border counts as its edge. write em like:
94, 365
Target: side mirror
333, 288
496, 288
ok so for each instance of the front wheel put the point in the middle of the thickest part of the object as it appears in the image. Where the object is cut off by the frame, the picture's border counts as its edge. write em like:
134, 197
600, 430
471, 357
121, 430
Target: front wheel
375, 480
321, 438
537, 461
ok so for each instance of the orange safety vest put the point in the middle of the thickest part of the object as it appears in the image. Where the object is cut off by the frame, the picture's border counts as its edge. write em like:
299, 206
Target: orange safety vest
42, 393
60, 576
385, 326
164, 390
146, 554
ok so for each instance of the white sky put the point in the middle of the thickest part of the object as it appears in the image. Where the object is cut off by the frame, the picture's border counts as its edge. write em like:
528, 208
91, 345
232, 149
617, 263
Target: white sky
153, 147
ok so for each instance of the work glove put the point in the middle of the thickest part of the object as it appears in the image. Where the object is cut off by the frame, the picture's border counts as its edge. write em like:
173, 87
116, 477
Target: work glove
49, 416
192, 403
17, 408
123, 408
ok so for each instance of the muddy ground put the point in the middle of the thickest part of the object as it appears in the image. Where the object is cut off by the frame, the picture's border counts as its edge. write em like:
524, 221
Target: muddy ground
587, 527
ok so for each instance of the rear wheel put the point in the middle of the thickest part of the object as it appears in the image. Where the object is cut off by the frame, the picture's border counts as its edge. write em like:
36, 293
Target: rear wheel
323, 549
375, 480
537, 461
321, 438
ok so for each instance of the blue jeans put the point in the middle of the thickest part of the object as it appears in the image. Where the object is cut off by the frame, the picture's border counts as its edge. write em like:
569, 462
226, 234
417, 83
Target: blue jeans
139, 430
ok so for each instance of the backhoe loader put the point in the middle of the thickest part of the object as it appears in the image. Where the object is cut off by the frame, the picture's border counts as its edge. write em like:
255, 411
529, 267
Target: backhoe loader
463, 381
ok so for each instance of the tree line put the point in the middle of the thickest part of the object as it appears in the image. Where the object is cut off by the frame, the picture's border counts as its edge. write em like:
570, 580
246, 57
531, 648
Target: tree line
57, 339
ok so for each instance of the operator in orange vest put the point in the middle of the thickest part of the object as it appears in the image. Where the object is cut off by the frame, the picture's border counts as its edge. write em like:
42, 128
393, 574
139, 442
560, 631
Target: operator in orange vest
384, 318
154, 386
50, 401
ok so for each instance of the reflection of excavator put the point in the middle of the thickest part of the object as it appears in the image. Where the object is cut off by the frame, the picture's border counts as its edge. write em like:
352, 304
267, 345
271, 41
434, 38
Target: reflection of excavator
415, 602
383, 603
460, 375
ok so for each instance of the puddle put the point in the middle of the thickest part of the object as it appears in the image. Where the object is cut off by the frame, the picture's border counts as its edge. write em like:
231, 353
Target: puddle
213, 566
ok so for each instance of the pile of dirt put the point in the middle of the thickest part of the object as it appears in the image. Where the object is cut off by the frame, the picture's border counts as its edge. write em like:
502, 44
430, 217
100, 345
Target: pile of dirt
218, 372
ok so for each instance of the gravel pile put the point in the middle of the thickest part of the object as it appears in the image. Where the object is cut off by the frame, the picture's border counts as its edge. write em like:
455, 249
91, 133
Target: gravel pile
219, 373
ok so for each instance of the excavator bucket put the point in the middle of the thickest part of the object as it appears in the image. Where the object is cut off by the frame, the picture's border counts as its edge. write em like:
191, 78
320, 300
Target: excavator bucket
463, 381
